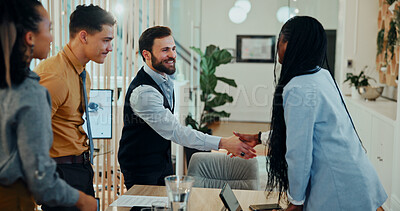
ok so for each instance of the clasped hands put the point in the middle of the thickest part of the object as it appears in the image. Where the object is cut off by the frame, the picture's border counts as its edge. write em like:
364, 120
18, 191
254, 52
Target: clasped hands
240, 145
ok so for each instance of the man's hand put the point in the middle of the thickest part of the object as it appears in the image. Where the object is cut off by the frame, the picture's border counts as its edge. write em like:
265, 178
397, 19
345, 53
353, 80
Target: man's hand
86, 202
236, 147
249, 139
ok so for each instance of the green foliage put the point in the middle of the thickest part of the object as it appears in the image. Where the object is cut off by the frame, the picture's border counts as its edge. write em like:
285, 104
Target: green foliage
210, 60
390, 2
392, 37
379, 41
358, 80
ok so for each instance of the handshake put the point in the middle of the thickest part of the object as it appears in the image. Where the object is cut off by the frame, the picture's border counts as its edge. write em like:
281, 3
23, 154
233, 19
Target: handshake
240, 145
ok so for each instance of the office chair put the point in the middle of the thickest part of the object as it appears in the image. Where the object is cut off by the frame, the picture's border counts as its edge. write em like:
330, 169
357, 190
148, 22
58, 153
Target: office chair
212, 170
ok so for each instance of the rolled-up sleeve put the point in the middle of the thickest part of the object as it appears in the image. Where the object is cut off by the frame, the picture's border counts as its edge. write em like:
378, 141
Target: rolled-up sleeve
299, 108
34, 141
147, 103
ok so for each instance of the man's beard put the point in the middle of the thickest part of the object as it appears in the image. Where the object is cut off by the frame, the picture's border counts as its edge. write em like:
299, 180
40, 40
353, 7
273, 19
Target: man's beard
161, 67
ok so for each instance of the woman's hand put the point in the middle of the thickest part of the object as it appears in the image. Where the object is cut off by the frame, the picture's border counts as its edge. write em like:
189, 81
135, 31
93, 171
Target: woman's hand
249, 139
236, 147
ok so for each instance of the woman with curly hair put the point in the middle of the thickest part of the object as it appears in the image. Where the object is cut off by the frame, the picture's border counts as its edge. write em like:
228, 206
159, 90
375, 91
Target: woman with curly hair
315, 156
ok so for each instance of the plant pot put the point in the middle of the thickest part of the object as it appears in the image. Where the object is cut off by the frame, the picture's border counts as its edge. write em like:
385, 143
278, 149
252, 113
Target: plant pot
370, 93
354, 93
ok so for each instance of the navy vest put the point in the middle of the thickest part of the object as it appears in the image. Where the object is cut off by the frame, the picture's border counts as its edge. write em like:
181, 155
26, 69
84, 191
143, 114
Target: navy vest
142, 151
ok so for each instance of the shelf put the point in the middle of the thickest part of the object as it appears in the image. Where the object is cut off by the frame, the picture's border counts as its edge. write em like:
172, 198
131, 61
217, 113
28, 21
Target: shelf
382, 108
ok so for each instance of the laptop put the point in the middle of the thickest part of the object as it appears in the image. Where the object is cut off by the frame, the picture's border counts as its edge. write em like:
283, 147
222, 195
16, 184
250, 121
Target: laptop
229, 199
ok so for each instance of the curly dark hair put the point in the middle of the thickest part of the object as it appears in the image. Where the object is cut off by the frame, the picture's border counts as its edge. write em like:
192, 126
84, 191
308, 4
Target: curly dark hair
306, 50
25, 17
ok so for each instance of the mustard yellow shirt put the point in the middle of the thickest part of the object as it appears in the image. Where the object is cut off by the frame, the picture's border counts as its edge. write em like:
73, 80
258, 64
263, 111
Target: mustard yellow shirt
60, 75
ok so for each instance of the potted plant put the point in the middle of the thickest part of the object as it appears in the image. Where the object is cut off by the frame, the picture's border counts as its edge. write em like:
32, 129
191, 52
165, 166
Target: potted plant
210, 60
356, 81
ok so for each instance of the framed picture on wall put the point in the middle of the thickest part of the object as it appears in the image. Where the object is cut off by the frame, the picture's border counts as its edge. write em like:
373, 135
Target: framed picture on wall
100, 113
255, 48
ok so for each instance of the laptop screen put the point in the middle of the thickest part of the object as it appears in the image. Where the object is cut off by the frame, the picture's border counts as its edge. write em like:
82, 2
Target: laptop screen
229, 199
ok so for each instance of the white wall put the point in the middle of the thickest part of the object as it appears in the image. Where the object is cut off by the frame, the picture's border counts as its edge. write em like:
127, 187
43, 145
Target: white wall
324, 10
253, 97
356, 38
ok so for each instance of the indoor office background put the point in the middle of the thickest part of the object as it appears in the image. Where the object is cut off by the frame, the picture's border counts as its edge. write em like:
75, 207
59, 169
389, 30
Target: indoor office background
352, 28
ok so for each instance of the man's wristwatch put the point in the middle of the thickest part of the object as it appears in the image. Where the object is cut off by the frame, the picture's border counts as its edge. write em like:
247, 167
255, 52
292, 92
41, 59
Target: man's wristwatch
259, 138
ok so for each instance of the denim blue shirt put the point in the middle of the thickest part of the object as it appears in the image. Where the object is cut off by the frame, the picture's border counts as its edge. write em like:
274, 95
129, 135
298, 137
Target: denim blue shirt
26, 137
147, 103
327, 167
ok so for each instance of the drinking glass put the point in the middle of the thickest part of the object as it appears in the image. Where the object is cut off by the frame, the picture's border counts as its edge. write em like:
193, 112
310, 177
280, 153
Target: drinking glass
160, 206
178, 191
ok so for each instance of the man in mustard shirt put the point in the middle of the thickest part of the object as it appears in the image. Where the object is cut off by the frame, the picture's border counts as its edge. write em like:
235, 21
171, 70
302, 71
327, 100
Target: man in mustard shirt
91, 32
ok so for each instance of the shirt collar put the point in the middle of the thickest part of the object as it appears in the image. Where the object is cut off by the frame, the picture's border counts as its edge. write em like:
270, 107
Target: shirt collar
72, 58
157, 77
33, 75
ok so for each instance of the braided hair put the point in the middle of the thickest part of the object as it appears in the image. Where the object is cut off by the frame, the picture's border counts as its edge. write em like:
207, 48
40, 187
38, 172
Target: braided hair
17, 17
306, 50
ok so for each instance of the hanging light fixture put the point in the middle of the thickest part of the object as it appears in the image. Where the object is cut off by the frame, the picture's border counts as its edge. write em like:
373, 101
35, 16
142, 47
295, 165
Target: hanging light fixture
238, 13
285, 13
245, 4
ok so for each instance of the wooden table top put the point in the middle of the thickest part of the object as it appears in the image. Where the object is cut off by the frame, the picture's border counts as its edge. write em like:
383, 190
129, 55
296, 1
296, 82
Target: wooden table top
203, 198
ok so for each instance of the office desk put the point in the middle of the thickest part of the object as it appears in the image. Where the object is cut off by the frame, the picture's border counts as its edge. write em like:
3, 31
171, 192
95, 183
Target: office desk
203, 198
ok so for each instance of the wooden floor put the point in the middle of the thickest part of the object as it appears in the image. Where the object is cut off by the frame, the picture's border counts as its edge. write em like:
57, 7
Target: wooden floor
225, 128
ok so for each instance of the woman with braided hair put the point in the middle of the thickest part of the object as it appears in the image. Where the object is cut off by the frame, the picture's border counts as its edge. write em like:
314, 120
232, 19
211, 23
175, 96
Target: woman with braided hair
315, 156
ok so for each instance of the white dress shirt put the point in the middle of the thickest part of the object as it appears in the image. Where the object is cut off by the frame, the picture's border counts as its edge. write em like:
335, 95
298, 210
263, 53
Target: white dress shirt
147, 103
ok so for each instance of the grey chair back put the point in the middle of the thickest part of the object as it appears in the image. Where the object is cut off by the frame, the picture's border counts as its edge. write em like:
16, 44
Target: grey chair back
212, 170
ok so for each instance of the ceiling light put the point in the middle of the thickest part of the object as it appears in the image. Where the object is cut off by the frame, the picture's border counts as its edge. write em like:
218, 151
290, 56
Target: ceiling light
245, 4
284, 13
237, 14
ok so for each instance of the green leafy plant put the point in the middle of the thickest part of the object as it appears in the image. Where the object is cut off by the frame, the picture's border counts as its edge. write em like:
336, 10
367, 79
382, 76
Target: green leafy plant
358, 80
379, 41
390, 2
392, 38
210, 60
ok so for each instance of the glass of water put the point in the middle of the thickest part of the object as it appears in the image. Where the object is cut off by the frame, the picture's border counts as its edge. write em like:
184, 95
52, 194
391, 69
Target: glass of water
160, 206
178, 191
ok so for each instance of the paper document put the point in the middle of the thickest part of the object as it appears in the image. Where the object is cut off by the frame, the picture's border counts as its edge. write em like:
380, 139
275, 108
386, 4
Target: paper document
132, 200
